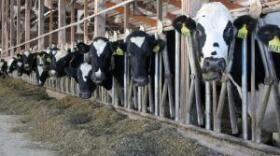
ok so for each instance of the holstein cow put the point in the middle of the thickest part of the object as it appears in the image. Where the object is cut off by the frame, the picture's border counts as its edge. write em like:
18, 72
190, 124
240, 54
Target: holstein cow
100, 59
15, 64
214, 35
43, 61
3, 67
29, 62
141, 48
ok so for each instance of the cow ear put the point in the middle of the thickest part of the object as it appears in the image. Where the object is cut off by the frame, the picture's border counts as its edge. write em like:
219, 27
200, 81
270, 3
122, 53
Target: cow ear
270, 36
158, 46
184, 25
245, 24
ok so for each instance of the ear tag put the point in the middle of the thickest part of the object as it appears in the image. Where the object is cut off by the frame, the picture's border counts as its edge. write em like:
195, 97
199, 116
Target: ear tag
156, 48
49, 60
185, 30
243, 32
274, 44
118, 52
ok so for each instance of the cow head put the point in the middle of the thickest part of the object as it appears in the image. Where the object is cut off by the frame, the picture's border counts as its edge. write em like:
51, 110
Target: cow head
86, 85
269, 33
43, 61
29, 61
141, 47
55, 56
118, 48
100, 59
3, 67
213, 30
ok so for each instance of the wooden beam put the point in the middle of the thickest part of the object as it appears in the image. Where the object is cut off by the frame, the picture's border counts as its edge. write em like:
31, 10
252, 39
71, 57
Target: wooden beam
27, 22
73, 14
18, 24
12, 33
41, 24
86, 21
2, 26
100, 20
144, 19
61, 22
6, 30
51, 22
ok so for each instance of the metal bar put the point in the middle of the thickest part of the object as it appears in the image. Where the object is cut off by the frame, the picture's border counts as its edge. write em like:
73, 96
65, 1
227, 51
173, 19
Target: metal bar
208, 105
231, 107
244, 90
177, 75
214, 98
74, 24
219, 112
253, 88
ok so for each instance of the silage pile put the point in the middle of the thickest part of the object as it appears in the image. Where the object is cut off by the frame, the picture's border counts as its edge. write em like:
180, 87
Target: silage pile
79, 127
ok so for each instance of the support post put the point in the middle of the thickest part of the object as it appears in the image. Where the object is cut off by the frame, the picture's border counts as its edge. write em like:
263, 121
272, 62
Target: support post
99, 21
27, 22
86, 21
61, 22
72, 21
18, 24
12, 27
41, 24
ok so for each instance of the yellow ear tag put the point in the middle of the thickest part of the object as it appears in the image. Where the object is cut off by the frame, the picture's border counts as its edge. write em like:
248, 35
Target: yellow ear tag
185, 30
243, 32
118, 52
49, 60
156, 48
274, 44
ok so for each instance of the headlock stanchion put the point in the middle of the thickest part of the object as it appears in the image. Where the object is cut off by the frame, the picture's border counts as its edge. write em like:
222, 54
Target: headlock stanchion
180, 99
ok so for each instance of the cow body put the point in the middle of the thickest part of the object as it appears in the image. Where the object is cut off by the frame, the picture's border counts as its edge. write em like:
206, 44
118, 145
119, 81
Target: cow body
3, 67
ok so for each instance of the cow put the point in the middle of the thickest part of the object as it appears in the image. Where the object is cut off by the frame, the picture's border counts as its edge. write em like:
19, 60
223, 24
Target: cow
43, 61
141, 47
3, 67
100, 56
213, 43
29, 62
15, 64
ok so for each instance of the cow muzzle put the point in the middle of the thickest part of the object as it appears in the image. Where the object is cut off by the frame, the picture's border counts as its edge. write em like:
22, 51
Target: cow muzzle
213, 68
52, 73
98, 77
140, 81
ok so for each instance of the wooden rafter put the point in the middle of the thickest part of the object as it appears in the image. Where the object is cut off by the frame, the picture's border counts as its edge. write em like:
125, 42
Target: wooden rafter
144, 19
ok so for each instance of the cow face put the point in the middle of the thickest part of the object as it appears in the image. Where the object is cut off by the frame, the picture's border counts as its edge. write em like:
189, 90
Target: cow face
214, 32
269, 34
100, 59
141, 47
12, 65
19, 64
55, 56
86, 86
43, 61
29, 61
3, 67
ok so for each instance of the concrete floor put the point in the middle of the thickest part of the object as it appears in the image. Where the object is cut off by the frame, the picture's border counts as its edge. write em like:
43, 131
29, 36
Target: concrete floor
15, 144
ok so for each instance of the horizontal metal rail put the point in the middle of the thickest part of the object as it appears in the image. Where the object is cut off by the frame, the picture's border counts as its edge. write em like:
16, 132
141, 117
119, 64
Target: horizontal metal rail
71, 25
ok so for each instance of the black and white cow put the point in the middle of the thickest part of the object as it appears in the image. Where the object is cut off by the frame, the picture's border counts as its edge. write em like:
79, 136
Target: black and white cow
43, 61
214, 36
3, 67
15, 64
141, 48
100, 56
29, 62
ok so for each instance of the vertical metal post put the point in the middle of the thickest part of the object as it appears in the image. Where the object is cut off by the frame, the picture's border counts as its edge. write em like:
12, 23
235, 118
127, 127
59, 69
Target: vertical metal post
177, 75
208, 105
244, 90
27, 22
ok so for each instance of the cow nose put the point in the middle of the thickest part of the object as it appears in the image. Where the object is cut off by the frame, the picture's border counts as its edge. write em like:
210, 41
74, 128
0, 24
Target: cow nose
213, 64
140, 81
